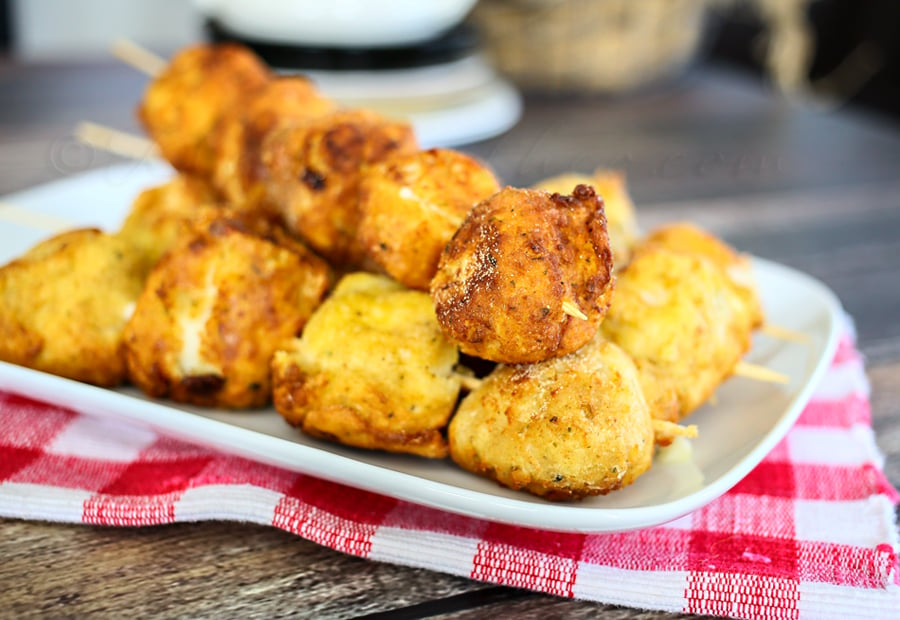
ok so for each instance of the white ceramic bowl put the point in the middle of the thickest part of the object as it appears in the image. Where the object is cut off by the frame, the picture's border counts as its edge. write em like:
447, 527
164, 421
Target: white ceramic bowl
337, 23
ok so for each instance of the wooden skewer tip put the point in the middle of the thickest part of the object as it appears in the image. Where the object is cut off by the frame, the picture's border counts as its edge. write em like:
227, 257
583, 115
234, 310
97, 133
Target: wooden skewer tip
783, 333
571, 308
665, 428
468, 382
138, 57
115, 141
760, 373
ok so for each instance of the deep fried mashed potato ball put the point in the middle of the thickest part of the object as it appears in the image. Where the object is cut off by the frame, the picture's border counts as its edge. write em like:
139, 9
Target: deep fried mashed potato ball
315, 171
213, 312
684, 325
182, 108
64, 304
239, 173
690, 239
162, 215
565, 428
413, 203
621, 222
371, 370
522, 263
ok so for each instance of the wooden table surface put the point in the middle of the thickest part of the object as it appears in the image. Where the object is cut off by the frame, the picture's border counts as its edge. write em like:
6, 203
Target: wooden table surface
812, 188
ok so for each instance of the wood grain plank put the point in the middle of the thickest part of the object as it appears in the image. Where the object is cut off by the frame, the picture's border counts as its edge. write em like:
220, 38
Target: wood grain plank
235, 570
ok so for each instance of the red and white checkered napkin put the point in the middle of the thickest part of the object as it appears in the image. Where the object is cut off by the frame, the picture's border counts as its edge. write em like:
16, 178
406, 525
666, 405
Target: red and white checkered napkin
810, 533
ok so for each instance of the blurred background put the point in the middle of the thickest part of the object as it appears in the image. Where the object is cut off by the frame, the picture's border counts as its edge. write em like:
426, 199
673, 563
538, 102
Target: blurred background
836, 52
846, 50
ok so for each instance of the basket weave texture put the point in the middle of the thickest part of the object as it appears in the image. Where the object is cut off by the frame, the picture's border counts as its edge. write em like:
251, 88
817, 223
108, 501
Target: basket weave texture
589, 45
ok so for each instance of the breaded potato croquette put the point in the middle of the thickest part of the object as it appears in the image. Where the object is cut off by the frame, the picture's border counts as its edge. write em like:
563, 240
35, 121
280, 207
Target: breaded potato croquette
683, 324
239, 173
524, 263
213, 312
64, 304
565, 428
691, 239
411, 205
314, 175
371, 370
621, 222
162, 215
182, 108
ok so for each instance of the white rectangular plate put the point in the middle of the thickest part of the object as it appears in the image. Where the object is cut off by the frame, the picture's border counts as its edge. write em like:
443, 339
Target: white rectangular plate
747, 421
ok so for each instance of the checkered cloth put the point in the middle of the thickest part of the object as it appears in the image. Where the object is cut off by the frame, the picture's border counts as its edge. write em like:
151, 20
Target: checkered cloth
810, 533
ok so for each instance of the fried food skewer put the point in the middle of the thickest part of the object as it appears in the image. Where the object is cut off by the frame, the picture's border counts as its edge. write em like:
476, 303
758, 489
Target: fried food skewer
507, 282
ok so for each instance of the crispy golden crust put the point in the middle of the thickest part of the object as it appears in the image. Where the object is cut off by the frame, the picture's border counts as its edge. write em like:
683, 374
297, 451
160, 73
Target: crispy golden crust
184, 105
239, 173
162, 215
565, 428
213, 312
682, 323
371, 370
621, 222
413, 203
64, 304
690, 239
518, 258
315, 171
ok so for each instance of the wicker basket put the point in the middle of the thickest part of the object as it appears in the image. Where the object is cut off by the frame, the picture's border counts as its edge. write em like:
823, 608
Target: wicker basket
589, 45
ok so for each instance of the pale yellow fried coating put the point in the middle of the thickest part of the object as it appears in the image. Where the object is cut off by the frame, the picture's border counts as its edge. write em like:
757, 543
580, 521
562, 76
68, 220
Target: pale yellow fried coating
689, 238
371, 370
183, 106
683, 324
564, 428
239, 175
411, 205
314, 175
162, 215
213, 312
518, 262
64, 304
621, 222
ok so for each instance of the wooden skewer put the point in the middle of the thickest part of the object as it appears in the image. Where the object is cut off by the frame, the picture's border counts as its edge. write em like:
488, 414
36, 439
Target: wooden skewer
760, 373
114, 141
469, 382
783, 333
664, 428
138, 57
33, 219
571, 308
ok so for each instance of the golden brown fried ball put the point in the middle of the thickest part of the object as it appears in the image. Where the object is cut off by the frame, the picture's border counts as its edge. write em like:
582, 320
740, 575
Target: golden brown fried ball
621, 222
520, 261
565, 428
315, 170
213, 312
183, 107
688, 238
64, 304
239, 173
162, 215
684, 325
371, 370
412, 203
